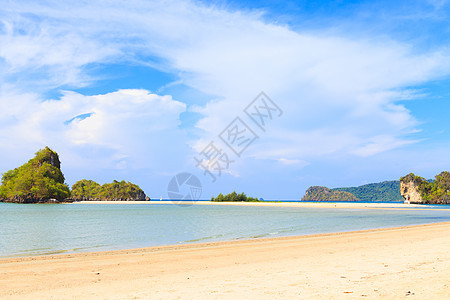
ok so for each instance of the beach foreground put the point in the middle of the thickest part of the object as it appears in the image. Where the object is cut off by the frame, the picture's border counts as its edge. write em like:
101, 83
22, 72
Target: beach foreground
393, 263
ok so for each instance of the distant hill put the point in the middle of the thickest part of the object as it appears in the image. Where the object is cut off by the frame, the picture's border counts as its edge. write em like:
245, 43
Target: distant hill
321, 193
382, 191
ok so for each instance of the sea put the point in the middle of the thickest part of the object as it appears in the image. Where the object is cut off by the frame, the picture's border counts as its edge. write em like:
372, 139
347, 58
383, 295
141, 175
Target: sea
44, 229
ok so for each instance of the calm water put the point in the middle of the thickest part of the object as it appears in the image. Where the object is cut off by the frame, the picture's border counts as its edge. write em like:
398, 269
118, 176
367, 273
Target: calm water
35, 229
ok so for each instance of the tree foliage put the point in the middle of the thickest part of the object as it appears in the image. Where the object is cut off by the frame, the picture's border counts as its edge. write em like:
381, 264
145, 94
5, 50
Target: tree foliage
233, 197
382, 191
39, 179
85, 189
91, 190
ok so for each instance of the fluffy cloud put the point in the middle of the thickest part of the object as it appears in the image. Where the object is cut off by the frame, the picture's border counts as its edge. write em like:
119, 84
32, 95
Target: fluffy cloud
340, 95
123, 129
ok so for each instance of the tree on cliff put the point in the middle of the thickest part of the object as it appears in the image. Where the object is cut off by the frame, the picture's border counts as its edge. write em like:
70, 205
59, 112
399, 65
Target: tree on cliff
439, 191
85, 189
37, 180
432, 192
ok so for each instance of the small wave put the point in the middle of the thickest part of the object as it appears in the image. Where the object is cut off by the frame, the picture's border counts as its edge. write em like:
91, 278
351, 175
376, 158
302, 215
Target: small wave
202, 239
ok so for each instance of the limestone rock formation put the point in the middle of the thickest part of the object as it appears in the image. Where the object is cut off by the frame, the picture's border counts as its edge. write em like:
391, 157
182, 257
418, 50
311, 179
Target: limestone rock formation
417, 189
410, 192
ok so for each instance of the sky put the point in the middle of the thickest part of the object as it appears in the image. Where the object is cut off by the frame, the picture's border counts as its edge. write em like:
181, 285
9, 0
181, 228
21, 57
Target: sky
353, 92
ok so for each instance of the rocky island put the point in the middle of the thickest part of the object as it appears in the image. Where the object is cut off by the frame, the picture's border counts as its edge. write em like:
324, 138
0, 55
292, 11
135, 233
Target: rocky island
321, 193
88, 190
416, 189
386, 191
41, 180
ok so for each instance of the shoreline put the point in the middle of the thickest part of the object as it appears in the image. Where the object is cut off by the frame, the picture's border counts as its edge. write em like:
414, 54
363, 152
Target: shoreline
344, 205
369, 263
183, 246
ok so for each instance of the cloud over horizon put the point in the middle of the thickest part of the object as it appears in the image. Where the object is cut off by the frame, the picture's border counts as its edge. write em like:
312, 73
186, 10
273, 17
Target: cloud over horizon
126, 129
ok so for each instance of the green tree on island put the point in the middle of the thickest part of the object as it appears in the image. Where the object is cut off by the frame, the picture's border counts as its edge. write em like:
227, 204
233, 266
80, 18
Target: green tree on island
233, 197
115, 191
85, 189
38, 180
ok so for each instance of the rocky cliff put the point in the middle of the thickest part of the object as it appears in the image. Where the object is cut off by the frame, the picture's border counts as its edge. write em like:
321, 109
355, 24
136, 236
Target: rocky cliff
410, 192
30, 198
417, 189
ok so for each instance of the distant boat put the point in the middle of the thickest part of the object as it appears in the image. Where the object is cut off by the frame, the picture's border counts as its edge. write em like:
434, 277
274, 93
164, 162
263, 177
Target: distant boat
160, 198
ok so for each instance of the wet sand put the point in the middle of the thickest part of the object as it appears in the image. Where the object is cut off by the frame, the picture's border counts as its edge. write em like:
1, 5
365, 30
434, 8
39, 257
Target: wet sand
395, 263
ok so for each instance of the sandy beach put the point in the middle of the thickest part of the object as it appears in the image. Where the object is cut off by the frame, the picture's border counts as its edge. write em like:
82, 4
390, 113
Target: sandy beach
402, 262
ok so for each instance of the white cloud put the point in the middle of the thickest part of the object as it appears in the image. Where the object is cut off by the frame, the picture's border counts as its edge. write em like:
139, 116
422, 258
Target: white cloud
379, 144
331, 85
41, 55
127, 128
298, 162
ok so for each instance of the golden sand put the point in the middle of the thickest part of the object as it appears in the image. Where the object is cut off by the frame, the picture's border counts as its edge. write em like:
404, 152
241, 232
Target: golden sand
396, 263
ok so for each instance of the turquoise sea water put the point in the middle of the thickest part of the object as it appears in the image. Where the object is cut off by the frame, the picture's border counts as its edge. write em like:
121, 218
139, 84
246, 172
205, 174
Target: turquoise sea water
36, 229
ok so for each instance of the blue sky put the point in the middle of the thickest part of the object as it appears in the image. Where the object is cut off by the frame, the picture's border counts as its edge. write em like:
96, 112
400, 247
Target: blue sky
135, 90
